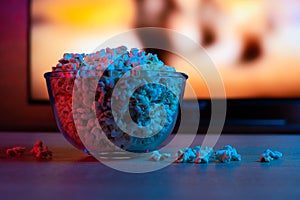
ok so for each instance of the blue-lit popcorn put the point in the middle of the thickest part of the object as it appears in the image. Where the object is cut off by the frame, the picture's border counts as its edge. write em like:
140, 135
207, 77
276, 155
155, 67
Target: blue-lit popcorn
227, 154
69, 61
204, 155
195, 155
269, 155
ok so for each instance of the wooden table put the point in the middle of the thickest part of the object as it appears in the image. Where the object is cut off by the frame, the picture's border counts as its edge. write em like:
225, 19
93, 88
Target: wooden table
72, 174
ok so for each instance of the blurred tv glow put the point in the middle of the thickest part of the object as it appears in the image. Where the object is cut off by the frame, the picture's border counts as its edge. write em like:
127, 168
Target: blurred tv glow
255, 44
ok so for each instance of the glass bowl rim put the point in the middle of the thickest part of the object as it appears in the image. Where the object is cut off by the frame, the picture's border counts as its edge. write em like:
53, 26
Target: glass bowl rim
55, 74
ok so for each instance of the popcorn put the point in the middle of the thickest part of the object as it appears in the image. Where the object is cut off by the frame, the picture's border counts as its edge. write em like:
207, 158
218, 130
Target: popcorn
40, 151
15, 151
204, 155
227, 154
156, 156
195, 155
114, 64
69, 61
269, 155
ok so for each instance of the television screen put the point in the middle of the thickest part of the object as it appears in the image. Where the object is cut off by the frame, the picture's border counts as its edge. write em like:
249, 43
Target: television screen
254, 44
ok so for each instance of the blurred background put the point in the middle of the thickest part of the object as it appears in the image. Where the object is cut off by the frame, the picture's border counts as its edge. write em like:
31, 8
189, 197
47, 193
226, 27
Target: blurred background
253, 43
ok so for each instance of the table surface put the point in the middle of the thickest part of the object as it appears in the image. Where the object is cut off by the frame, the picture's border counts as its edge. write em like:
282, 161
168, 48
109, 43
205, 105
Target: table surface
72, 174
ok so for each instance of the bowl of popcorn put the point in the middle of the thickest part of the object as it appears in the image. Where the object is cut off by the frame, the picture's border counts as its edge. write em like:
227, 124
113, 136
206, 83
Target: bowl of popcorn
115, 99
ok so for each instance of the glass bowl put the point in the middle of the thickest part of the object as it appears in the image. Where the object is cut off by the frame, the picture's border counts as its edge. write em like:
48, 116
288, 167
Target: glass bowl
99, 111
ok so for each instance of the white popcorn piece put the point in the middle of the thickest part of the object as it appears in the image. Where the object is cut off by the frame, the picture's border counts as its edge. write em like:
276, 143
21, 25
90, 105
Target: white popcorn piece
157, 156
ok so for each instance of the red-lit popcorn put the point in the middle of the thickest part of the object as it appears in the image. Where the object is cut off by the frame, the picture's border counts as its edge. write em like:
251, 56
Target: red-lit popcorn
15, 151
40, 151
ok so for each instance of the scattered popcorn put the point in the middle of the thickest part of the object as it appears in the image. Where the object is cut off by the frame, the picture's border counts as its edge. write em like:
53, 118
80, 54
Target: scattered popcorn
40, 151
269, 155
186, 155
227, 154
204, 155
194, 155
15, 151
156, 156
